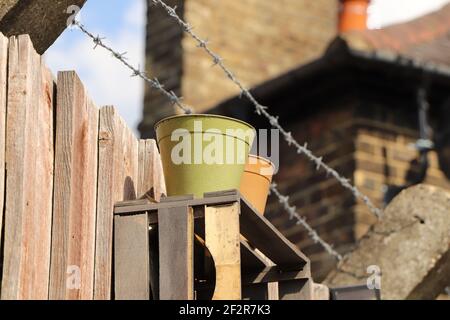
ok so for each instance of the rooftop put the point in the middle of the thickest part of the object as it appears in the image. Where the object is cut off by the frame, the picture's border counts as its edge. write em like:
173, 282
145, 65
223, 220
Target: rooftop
425, 39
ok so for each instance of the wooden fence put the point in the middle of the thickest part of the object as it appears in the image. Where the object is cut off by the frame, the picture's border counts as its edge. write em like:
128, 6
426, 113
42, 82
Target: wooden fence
63, 164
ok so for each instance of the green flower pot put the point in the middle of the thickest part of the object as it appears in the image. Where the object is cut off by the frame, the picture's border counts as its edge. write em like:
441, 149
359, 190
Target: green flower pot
203, 153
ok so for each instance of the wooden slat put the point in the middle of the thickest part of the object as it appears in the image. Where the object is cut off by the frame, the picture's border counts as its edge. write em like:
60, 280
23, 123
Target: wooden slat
251, 261
272, 275
320, 292
3, 95
109, 172
131, 264
151, 177
117, 173
29, 161
151, 186
296, 289
272, 285
74, 209
222, 239
265, 237
176, 252
130, 162
19, 69
43, 150
273, 291
132, 208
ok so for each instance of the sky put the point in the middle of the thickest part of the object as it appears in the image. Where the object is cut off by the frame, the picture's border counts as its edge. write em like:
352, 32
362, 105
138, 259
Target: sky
122, 23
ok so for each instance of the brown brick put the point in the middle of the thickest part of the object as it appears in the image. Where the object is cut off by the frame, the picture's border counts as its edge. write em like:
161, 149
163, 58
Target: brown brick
247, 34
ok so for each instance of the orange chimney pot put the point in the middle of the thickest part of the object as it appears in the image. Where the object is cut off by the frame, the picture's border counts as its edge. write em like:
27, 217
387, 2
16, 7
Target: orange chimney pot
353, 15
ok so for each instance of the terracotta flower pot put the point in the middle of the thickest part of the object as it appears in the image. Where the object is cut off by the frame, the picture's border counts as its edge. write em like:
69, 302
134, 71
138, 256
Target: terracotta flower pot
203, 153
255, 183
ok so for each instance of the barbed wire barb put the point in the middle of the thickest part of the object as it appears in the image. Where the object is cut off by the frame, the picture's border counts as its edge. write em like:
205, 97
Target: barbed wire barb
155, 83
292, 210
99, 42
263, 110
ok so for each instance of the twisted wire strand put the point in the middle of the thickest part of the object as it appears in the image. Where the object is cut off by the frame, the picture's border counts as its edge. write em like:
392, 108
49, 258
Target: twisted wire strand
283, 200
98, 41
263, 110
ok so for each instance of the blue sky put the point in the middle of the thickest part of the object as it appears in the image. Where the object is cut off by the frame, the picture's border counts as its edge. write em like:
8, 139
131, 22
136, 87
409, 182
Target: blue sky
122, 22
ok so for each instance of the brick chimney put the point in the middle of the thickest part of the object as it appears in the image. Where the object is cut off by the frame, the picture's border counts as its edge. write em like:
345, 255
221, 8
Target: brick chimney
235, 28
353, 15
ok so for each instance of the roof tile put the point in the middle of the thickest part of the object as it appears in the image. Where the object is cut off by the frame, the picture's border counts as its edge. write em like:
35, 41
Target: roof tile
426, 38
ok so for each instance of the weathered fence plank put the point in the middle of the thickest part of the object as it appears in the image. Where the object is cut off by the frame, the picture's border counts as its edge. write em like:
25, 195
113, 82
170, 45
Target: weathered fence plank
110, 142
3, 94
118, 170
29, 164
151, 178
74, 210
151, 185
129, 163
40, 225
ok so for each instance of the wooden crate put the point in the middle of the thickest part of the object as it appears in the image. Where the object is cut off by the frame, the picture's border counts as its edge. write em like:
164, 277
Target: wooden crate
361, 292
216, 248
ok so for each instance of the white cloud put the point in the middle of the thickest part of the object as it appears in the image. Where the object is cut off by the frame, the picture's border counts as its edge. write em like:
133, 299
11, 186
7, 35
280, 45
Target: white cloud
106, 79
386, 12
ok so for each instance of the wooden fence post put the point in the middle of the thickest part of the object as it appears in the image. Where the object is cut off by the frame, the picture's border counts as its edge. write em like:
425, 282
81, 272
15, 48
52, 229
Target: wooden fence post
117, 176
151, 185
74, 215
29, 181
151, 178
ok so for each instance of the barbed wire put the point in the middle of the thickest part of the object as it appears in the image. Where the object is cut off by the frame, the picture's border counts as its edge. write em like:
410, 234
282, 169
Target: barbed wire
98, 41
284, 200
293, 214
262, 110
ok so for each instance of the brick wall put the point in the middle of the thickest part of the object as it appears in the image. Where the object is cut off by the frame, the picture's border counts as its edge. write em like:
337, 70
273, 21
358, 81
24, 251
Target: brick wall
326, 205
385, 157
164, 60
259, 39
369, 143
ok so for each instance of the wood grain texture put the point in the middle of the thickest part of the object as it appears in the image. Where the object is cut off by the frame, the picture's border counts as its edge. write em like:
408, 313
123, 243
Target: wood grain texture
129, 162
117, 173
110, 141
74, 209
3, 95
151, 186
131, 265
176, 253
222, 238
151, 177
29, 182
